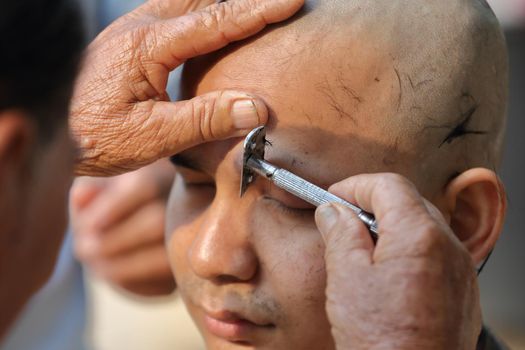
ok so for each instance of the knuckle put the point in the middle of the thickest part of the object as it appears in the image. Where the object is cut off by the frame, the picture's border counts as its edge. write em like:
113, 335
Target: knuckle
389, 180
349, 223
213, 16
204, 111
430, 240
224, 18
215, 19
343, 235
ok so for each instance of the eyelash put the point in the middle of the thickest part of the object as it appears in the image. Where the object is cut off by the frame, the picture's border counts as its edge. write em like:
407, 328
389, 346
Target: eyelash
303, 213
297, 212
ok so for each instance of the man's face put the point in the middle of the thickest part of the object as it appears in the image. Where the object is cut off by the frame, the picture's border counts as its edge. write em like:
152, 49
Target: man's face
251, 269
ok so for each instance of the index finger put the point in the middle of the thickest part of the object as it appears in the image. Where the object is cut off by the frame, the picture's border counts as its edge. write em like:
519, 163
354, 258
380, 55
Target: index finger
172, 8
178, 39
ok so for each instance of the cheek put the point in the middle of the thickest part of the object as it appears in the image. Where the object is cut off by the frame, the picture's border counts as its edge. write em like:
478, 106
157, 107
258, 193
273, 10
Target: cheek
300, 279
291, 254
301, 285
293, 271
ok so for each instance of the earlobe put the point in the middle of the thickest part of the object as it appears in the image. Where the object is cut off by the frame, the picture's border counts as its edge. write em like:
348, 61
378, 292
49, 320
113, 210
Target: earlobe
477, 204
16, 138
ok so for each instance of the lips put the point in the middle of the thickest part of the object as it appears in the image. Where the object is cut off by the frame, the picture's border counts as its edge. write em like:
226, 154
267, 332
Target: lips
234, 327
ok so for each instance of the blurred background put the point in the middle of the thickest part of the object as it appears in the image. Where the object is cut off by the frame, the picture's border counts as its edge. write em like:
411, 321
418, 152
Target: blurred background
78, 310
503, 279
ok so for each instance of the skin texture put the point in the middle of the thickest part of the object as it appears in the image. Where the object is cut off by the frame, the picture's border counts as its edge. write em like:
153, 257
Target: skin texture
122, 117
348, 94
118, 226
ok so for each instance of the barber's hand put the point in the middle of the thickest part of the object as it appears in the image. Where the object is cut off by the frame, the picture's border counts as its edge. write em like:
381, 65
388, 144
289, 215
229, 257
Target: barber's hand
121, 115
118, 226
417, 289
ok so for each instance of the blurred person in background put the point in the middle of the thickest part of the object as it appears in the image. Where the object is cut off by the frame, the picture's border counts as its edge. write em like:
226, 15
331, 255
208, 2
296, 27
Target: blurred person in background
56, 316
41, 47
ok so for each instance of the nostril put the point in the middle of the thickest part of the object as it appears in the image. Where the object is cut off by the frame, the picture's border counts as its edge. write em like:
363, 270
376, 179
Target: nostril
228, 279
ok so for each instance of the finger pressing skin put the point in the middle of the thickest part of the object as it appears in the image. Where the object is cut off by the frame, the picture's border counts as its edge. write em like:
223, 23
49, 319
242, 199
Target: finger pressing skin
120, 114
347, 239
175, 126
213, 27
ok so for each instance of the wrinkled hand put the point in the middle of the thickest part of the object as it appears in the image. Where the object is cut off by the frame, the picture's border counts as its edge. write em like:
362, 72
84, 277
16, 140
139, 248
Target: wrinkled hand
417, 289
121, 115
118, 226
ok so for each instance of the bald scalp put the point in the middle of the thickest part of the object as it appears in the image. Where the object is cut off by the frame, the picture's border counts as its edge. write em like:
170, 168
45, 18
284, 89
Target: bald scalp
450, 62
431, 75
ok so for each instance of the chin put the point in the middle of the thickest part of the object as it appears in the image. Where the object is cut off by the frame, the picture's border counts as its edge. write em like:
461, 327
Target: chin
265, 340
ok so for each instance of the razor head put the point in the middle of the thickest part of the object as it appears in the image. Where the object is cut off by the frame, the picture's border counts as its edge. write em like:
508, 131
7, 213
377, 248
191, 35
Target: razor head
253, 147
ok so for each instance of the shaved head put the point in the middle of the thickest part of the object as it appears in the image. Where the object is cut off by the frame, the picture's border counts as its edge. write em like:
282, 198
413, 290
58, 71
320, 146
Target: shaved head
430, 76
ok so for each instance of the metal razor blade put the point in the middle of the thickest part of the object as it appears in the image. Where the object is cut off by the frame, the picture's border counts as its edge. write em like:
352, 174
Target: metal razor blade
254, 164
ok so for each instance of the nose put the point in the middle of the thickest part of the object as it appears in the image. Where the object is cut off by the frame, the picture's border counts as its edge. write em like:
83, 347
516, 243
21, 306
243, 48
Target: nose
222, 251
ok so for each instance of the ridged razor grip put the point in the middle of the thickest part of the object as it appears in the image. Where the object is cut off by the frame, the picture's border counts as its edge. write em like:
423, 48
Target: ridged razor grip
317, 196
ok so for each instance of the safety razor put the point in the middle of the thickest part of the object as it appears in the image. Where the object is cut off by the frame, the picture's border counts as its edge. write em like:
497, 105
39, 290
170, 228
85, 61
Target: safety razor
254, 164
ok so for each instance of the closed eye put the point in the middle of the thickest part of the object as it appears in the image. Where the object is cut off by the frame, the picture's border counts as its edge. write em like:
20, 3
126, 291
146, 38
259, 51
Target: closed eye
300, 212
194, 179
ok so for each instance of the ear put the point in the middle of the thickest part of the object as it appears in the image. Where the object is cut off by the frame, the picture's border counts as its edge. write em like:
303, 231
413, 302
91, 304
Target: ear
476, 204
17, 134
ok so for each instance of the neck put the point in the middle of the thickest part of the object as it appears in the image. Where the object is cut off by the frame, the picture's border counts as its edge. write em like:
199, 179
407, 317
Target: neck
15, 288
14, 293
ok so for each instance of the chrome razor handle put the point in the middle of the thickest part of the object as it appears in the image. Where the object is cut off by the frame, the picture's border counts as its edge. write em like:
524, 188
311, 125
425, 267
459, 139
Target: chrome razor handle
309, 192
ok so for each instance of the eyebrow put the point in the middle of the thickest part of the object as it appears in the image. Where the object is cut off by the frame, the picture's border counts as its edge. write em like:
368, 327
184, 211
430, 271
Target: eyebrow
186, 161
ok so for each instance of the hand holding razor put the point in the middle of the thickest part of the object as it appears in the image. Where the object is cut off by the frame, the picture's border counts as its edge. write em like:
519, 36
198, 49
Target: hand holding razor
254, 164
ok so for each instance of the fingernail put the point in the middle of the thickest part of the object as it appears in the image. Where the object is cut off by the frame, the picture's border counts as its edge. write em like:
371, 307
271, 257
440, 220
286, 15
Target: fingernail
244, 114
326, 217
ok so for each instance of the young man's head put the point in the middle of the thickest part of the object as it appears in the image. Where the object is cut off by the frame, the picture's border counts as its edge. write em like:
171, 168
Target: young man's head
40, 45
416, 88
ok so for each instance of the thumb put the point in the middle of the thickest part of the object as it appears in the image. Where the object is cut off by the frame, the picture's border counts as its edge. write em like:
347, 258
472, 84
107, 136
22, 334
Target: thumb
347, 239
177, 126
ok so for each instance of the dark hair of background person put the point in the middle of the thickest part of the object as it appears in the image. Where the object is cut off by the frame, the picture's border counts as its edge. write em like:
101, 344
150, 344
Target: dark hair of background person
41, 44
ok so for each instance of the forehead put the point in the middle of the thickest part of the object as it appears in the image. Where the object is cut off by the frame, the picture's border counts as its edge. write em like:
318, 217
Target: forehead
330, 109
305, 78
